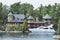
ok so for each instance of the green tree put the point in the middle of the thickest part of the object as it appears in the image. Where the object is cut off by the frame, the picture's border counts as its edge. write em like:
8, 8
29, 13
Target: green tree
24, 25
0, 11
26, 9
58, 29
5, 11
41, 13
15, 8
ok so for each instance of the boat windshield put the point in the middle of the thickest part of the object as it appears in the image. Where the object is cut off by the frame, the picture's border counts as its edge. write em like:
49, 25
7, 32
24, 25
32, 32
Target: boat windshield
45, 28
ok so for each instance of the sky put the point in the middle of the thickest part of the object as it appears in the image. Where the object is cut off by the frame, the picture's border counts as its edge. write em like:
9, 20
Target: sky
35, 3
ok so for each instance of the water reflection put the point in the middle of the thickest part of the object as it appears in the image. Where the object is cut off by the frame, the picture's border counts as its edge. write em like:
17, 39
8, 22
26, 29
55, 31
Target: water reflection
25, 36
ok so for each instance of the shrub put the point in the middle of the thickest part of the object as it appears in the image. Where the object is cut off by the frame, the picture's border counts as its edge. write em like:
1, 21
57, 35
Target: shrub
13, 27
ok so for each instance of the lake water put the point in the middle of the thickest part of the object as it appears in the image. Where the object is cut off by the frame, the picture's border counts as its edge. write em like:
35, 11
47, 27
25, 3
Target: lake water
25, 36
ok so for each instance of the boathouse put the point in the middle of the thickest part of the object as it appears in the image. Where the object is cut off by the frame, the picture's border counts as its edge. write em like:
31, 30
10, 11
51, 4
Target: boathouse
19, 18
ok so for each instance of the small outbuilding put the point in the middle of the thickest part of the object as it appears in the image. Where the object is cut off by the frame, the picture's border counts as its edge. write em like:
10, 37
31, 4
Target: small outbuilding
47, 18
30, 19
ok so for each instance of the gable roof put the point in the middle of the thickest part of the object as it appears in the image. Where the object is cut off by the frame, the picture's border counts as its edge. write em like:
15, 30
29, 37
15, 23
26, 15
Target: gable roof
19, 16
30, 17
10, 14
47, 17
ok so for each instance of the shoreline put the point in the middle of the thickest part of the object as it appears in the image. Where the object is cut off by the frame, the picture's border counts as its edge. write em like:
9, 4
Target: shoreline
13, 31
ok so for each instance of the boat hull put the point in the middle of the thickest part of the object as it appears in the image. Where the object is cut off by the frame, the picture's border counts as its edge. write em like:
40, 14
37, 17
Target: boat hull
42, 31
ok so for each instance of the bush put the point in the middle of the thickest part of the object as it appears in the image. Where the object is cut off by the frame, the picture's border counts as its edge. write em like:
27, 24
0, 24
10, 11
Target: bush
13, 27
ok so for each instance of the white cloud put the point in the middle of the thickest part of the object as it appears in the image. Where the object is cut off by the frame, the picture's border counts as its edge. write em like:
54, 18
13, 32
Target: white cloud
35, 3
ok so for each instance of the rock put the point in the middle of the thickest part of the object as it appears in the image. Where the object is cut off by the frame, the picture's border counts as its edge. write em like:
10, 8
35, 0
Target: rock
56, 37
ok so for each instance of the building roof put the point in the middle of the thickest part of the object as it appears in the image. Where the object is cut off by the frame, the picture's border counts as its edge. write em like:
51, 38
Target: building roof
30, 17
19, 16
47, 17
10, 14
